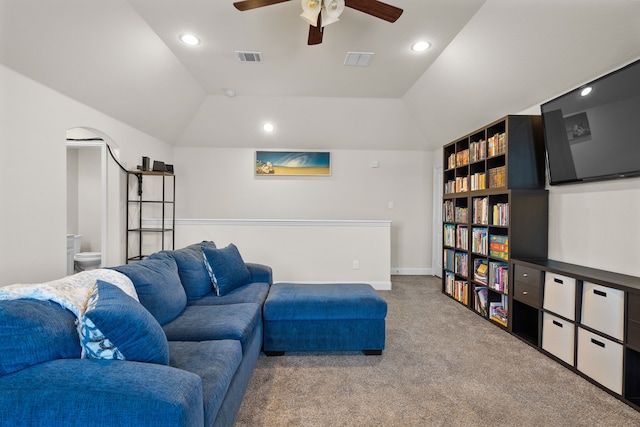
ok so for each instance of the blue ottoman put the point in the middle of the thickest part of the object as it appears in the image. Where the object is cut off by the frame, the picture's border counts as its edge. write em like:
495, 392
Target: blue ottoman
324, 317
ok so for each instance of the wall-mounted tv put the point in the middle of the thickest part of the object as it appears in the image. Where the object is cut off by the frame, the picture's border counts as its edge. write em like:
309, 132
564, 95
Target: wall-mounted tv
594, 134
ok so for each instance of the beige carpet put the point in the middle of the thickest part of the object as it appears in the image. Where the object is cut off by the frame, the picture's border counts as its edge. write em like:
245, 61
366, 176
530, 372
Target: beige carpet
442, 366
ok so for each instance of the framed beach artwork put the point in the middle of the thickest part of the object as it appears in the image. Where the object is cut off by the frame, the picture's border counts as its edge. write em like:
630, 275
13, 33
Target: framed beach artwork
293, 163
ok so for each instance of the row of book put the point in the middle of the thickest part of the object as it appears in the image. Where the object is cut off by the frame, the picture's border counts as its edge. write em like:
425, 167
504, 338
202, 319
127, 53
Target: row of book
480, 213
498, 276
478, 150
479, 240
462, 237
478, 181
449, 238
462, 157
499, 246
499, 311
456, 262
497, 144
451, 161
458, 185
500, 214
498, 177
458, 289
447, 211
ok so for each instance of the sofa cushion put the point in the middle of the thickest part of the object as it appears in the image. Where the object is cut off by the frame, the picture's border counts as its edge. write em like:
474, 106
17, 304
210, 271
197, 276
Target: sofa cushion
158, 285
216, 362
251, 292
192, 271
216, 322
228, 270
98, 392
33, 332
115, 326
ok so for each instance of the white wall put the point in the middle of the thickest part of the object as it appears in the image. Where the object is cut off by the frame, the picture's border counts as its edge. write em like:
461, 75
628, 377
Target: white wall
595, 224
220, 183
33, 124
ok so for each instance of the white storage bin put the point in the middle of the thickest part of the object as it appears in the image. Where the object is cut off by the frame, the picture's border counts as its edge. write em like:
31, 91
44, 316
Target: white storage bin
560, 295
603, 309
600, 359
558, 337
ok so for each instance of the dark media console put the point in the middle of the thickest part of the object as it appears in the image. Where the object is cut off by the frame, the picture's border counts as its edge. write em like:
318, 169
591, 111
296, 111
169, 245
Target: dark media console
584, 318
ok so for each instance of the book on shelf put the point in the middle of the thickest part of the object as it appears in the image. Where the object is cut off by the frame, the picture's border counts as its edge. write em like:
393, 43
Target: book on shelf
480, 304
447, 211
499, 311
461, 264
500, 214
462, 237
499, 246
449, 235
462, 157
450, 187
498, 177
451, 161
478, 150
448, 259
480, 210
480, 270
478, 181
479, 240
462, 184
456, 288
461, 214
497, 144
499, 276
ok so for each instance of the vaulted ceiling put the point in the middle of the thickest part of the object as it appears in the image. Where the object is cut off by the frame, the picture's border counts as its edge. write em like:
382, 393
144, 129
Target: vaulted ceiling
488, 58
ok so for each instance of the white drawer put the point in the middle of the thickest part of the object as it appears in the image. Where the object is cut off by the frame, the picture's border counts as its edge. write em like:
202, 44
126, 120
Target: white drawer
560, 295
600, 359
603, 309
558, 337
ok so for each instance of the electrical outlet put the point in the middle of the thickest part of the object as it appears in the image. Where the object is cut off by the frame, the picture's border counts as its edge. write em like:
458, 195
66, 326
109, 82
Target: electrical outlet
356, 264
390, 205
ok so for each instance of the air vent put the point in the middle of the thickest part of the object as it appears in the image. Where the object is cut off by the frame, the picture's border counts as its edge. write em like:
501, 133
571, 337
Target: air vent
249, 56
358, 59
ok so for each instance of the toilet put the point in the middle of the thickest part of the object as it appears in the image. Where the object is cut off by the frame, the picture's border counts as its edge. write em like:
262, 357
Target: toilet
83, 261
87, 261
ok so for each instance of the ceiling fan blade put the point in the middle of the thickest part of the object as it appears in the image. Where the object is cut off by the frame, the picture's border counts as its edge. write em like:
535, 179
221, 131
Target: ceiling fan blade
375, 8
254, 4
315, 33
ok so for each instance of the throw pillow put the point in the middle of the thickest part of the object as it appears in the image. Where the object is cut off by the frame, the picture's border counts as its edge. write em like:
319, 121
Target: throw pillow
191, 269
227, 268
158, 285
115, 326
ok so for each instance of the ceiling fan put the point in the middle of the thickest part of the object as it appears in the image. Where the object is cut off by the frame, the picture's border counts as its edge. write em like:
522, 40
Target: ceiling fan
320, 13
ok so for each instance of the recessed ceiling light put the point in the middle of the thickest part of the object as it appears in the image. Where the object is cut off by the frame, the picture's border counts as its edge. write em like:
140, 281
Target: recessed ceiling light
586, 91
230, 93
189, 39
420, 46
268, 127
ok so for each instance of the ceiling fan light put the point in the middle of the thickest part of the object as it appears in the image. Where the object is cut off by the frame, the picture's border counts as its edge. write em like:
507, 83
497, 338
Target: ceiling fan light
332, 11
310, 11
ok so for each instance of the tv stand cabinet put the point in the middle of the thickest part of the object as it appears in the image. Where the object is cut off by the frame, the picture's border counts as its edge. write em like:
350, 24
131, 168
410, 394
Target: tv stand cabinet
584, 318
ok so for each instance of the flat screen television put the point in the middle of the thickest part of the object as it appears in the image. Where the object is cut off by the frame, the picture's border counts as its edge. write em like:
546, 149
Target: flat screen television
596, 135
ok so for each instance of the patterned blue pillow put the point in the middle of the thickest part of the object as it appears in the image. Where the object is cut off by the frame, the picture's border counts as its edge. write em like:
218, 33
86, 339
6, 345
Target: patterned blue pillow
227, 268
116, 326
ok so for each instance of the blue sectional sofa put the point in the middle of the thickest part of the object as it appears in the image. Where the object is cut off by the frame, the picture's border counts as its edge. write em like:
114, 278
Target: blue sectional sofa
186, 350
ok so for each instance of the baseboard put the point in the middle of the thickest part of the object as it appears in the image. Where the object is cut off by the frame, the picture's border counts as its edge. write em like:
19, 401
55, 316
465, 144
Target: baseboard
378, 285
400, 271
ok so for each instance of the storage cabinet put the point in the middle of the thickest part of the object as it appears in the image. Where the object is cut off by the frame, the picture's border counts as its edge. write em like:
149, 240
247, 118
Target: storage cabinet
590, 321
494, 208
150, 211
